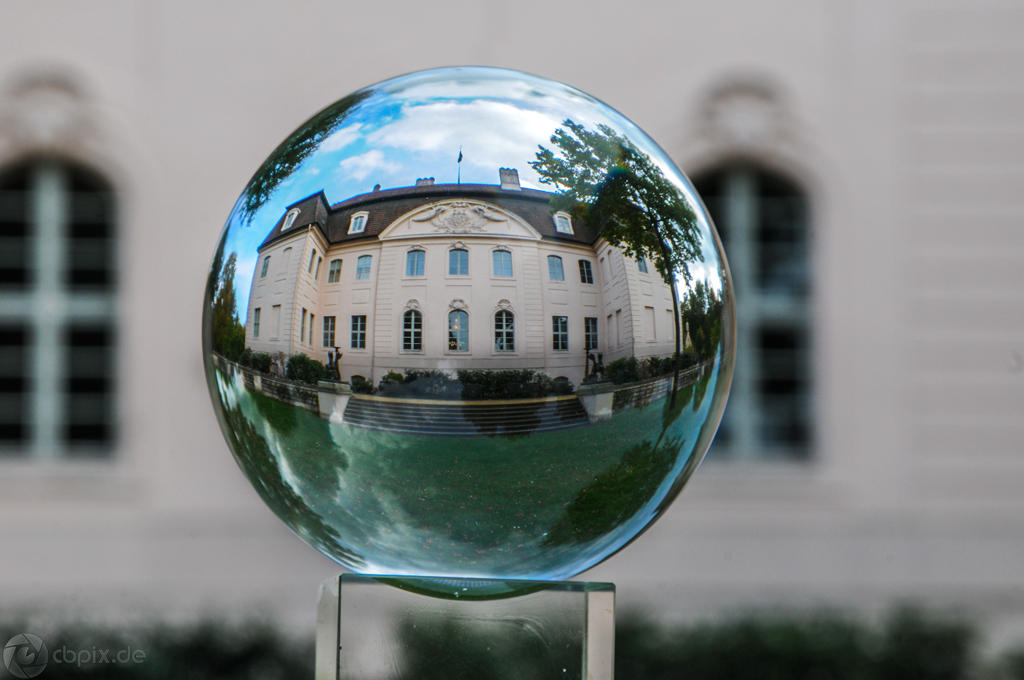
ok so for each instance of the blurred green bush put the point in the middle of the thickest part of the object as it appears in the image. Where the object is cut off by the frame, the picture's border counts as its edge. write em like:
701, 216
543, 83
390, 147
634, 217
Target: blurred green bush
210, 650
909, 645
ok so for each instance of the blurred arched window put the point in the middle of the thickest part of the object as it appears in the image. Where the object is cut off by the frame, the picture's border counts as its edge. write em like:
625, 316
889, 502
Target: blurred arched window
762, 218
57, 311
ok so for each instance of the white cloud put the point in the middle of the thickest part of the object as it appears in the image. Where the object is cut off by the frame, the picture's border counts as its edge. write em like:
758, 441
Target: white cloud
341, 138
501, 88
358, 167
491, 134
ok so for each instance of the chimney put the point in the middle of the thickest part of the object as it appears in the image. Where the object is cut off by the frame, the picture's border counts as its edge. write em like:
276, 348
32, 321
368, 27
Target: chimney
376, 188
425, 182
509, 179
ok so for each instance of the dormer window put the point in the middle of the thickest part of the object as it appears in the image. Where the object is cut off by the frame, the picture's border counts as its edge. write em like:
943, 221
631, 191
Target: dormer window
358, 223
289, 219
563, 224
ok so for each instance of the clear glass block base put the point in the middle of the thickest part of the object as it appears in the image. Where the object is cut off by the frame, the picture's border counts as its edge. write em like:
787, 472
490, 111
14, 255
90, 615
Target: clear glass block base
384, 628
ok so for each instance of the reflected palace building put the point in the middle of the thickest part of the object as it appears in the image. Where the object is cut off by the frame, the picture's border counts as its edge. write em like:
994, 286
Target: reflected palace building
451, 276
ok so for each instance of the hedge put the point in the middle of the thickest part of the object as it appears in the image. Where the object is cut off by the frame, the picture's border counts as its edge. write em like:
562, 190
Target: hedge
305, 369
631, 369
474, 385
259, 361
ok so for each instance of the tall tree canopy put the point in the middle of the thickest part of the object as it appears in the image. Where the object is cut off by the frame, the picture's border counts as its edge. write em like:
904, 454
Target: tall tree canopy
228, 332
297, 148
605, 180
702, 311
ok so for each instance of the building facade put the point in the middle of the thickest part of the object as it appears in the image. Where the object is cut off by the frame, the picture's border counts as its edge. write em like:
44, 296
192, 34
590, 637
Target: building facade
445, 276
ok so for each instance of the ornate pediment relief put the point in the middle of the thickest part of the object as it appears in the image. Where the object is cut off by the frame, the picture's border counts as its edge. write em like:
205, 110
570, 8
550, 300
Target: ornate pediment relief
459, 217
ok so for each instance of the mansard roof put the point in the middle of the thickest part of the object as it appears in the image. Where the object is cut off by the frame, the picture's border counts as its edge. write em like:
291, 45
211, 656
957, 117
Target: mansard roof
385, 206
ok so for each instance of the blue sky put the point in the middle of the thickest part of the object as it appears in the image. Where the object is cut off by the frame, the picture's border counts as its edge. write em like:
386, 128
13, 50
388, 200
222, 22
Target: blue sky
413, 126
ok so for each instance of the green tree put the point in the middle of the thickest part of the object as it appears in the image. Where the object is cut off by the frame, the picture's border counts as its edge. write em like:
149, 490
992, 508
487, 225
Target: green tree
603, 179
287, 157
228, 332
702, 312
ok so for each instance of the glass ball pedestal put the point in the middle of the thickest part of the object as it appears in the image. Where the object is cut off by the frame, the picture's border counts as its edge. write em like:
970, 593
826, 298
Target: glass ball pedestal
469, 331
385, 628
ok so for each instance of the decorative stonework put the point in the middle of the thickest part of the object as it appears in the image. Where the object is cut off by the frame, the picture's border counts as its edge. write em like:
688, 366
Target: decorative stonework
413, 304
746, 116
503, 305
46, 112
459, 217
458, 303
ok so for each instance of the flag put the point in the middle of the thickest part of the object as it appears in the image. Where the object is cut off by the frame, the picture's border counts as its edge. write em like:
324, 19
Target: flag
460, 156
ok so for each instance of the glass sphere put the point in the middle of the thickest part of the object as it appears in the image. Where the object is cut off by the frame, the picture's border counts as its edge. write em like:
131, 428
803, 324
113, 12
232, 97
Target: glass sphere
468, 322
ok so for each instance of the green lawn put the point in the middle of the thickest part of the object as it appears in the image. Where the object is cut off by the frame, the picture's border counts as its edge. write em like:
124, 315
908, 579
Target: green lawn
530, 506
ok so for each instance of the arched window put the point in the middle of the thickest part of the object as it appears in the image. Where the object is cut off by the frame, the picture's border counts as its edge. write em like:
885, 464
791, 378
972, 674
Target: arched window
555, 271
763, 220
458, 331
458, 262
363, 267
57, 311
641, 264
414, 262
266, 265
586, 272
334, 272
502, 263
412, 331
504, 331
312, 261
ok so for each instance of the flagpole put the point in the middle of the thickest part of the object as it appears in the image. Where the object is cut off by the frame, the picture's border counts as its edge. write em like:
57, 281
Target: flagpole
459, 163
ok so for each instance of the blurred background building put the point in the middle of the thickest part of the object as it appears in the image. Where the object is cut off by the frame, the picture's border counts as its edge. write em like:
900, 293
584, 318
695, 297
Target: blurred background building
865, 164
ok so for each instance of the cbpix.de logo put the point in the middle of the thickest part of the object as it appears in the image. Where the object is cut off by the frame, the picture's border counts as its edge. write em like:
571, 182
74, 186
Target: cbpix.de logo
25, 655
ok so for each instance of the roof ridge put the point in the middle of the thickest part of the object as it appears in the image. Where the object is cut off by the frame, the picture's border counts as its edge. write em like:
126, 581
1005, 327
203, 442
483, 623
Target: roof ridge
433, 188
